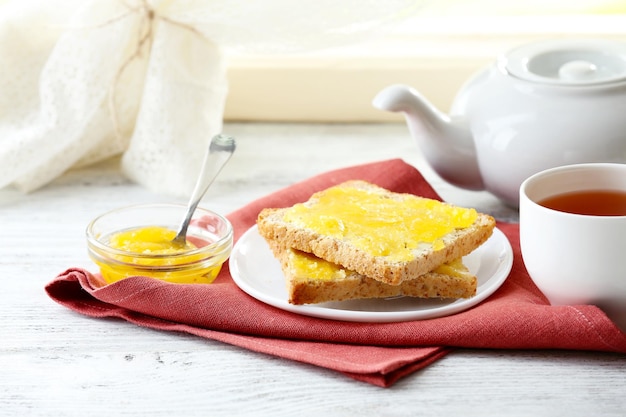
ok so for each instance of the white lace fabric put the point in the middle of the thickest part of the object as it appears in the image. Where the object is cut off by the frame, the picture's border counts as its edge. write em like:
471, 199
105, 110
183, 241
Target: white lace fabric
84, 80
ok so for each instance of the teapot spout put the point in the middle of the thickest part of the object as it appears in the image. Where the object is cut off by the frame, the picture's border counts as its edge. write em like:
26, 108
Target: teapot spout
447, 143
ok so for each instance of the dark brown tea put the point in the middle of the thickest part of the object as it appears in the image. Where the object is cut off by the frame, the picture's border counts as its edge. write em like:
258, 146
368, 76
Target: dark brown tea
590, 202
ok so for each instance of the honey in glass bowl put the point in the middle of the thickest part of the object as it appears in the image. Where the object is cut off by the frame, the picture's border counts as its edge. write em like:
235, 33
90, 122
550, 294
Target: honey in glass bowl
136, 240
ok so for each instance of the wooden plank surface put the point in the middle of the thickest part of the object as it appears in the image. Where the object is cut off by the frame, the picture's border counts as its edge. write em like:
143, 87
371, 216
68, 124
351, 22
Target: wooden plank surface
54, 362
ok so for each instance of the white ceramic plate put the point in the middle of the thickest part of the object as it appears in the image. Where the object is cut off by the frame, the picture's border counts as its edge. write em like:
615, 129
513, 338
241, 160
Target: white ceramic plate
258, 273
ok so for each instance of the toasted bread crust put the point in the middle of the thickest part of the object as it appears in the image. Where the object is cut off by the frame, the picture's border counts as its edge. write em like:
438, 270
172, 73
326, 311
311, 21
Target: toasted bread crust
357, 286
457, 244
304, 290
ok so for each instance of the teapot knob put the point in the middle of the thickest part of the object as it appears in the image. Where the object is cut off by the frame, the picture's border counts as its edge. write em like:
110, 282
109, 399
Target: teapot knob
577, 70
568, 62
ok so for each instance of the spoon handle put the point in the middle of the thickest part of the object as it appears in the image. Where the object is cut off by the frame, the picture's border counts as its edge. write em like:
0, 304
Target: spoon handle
220, 151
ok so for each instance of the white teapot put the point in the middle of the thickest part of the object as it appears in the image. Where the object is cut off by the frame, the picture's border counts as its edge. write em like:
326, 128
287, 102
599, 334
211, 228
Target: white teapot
541, 105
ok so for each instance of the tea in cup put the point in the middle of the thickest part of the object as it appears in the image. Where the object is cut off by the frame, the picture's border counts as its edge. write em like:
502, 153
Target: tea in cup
573, 235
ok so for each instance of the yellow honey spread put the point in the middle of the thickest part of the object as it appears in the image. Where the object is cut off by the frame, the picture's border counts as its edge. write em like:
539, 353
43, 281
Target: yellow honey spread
378, 224
155, 240
306, 266
454, 268
151, 252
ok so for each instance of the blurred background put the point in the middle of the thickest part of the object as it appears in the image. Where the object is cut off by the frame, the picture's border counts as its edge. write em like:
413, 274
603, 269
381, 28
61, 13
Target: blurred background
435, 49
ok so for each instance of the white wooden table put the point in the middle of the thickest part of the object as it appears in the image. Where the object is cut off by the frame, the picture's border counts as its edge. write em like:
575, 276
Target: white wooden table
54, 362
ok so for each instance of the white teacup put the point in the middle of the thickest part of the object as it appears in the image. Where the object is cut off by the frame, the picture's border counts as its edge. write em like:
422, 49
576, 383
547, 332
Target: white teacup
575, 258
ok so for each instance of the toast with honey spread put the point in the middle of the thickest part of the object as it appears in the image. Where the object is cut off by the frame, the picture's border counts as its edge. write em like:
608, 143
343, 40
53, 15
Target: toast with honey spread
385, 236
313, 280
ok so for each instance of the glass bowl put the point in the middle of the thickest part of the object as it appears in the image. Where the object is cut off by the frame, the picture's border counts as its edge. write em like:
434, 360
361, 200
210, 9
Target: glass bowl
210, 234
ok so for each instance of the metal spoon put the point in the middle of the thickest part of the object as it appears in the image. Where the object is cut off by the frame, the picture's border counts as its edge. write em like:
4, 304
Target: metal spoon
220, 151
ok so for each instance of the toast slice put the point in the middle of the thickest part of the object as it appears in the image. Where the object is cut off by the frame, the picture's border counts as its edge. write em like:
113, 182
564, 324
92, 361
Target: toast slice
310, 280
389, 237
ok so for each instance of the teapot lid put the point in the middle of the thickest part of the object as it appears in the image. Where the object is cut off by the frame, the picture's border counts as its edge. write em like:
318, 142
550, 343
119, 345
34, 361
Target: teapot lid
568, 62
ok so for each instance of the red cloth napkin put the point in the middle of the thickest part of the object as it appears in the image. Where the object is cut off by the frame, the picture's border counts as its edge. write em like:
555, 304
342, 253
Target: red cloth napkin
517, 316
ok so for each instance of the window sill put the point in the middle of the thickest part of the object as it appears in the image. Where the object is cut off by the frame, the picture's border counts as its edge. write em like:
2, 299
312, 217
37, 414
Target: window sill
338, 85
